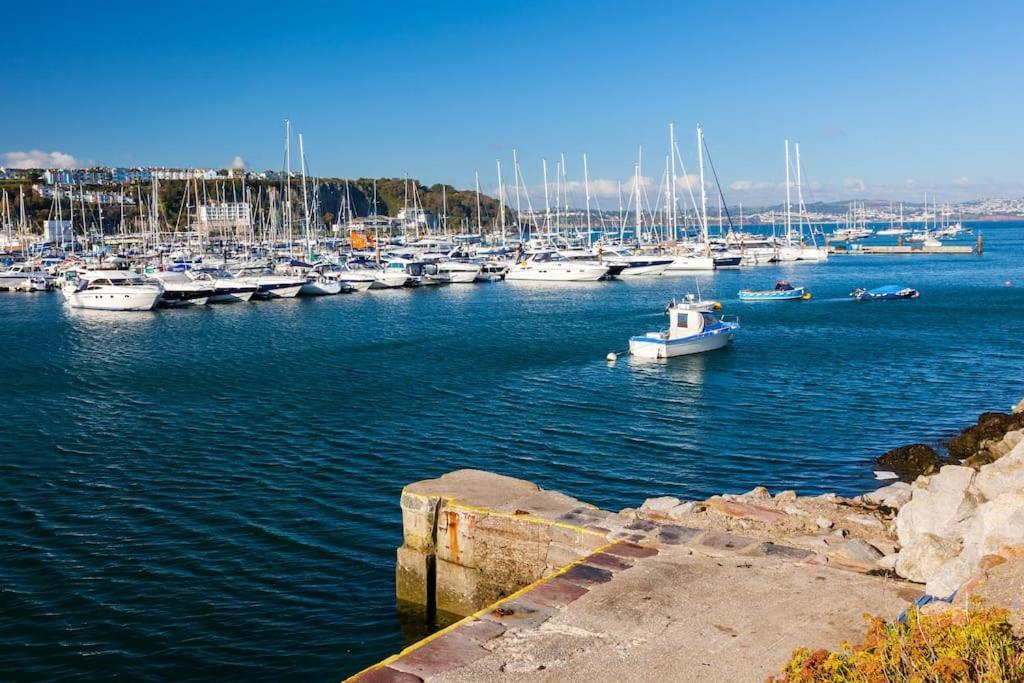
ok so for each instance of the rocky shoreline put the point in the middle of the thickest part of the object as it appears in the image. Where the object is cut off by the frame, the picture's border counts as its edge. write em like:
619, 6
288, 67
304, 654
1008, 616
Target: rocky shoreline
948, 525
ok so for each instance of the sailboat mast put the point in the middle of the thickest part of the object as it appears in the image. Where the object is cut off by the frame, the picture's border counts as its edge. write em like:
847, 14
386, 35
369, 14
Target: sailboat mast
501, 202
703, 190
672, 185
586, 191
479, 221
305, 197
788, 200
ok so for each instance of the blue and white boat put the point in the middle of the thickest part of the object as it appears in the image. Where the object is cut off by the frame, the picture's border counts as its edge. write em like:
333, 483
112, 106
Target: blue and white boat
692, 328
885, 293
783, 291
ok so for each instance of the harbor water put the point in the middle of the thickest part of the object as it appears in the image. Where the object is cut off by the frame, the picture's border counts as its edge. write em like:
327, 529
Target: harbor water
213, 493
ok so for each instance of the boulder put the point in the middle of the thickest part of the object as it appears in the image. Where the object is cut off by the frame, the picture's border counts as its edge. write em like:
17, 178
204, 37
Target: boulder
1019, 408
924, 555
858, 554
949, 577
894, 495
785, 496
941, 504
1003, 476
758, 492
911, 461
660, 505
998, 523
989, 426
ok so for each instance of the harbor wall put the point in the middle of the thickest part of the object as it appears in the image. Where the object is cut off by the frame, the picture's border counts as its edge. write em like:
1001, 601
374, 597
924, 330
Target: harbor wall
472, 537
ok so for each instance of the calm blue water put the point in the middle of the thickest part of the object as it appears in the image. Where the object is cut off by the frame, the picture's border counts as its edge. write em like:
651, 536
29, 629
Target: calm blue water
214, 493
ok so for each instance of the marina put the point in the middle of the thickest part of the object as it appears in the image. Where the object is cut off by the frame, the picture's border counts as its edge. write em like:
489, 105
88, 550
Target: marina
225, 462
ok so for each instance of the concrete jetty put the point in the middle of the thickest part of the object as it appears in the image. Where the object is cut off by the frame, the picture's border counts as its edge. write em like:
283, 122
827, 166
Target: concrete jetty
552, 588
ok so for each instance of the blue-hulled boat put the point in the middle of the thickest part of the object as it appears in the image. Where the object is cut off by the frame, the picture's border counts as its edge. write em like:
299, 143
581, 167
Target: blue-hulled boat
783, 292
885, 293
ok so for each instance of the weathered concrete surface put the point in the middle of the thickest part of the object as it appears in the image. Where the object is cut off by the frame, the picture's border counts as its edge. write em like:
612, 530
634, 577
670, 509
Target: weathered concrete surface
716, 606
683, 616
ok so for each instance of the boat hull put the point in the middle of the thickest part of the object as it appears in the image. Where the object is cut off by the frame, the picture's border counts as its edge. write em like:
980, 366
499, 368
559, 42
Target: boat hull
227, 295
320, 288
574, 273
690, 264
134, 298
795, 294
651, 347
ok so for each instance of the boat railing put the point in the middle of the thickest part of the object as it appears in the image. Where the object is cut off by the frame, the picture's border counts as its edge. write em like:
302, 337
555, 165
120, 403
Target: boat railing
731, 319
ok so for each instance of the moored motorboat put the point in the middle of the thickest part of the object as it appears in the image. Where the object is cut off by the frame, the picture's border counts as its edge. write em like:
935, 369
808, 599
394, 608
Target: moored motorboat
180, 290
885, 293
226, 287
109, 290
693, 328
783, 291
550, 266
492, 271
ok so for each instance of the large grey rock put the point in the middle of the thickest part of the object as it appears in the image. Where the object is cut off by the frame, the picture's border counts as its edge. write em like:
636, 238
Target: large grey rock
924, 555
1005, 475
894, 495
941, 505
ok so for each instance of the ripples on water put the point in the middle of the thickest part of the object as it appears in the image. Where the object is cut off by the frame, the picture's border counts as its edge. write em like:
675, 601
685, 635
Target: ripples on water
214, 493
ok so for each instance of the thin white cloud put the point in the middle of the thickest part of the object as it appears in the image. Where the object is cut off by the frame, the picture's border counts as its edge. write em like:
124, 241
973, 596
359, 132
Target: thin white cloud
962, 181
854, 185
39, 159
238, 163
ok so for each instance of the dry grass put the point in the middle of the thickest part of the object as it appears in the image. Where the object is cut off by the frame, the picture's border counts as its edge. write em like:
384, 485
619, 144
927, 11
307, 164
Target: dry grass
968, 644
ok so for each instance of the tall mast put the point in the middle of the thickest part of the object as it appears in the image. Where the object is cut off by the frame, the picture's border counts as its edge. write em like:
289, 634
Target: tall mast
288, 180
787, 194
515, 172
479, 222
586, 190
501, 202
799, 194
672, 185
305, 204
547, 203
703, 190
636, 187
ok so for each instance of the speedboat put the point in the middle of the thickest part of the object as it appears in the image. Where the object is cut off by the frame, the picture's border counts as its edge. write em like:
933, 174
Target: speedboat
635, 265
783, 291
685, 263
457, 272
320, 285
692, 328
357, 274
110, 290
181, 290
21, 276
492, 271
550, 266
269, 285
885, 293
226, 287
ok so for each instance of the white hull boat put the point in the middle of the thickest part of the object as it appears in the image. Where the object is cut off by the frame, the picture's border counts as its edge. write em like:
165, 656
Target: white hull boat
693, 328
113, 290
688, 263
552, 267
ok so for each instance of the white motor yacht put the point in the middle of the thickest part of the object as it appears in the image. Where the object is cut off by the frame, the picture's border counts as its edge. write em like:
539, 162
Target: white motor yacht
226, 287
551, 266
625, 264
269, 285
357, 274
109, 290
180, 290
22, 276
457, 272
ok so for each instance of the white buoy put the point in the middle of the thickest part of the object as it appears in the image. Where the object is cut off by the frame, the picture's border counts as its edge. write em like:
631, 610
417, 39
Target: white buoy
612, 357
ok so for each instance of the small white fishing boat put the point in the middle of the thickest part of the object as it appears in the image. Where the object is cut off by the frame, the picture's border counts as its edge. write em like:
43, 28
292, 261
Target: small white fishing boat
457, 272
492, 271
109, 290
693, 328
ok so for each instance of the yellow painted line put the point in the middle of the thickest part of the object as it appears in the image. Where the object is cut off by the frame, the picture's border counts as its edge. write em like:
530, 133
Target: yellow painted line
476, 615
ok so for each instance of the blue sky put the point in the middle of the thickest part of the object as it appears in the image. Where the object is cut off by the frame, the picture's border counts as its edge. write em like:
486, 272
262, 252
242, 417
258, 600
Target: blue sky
886, 100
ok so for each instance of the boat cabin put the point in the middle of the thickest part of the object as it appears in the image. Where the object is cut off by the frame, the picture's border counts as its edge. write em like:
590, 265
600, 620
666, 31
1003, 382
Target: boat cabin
687, 321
